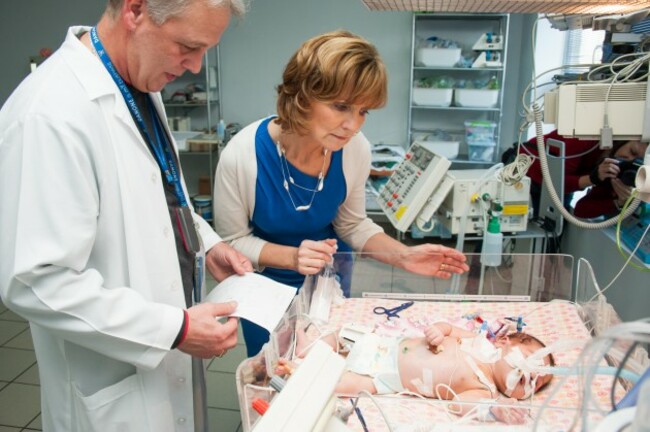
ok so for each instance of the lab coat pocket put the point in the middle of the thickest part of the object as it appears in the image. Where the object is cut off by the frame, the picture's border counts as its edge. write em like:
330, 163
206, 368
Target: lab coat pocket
118, 407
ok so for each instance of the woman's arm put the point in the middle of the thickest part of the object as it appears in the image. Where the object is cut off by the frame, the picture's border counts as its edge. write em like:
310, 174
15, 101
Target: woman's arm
427, 259
234, 194
597, 202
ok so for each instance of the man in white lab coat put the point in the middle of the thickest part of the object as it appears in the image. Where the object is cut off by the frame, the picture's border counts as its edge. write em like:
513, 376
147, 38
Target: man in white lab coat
100, 249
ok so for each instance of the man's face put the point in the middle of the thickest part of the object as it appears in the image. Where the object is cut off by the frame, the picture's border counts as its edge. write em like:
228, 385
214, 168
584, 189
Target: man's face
157, 54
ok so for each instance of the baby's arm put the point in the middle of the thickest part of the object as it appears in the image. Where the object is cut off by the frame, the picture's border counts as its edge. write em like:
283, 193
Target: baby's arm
501, 413
437, 332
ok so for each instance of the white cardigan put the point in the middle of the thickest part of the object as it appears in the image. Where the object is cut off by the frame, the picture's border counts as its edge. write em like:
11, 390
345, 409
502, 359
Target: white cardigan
234, 194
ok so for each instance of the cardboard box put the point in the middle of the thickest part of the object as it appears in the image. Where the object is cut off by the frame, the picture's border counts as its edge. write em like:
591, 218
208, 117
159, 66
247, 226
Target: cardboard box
204, 185
203, 143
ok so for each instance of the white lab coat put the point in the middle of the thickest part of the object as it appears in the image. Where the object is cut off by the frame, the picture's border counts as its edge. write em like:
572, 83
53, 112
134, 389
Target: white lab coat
88, 252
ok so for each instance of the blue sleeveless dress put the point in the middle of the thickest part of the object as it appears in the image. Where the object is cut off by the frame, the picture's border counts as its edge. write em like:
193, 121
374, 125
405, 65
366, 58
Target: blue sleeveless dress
275, 218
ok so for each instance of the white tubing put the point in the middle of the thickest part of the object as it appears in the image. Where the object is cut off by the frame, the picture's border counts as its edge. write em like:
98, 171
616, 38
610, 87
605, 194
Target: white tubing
546, 175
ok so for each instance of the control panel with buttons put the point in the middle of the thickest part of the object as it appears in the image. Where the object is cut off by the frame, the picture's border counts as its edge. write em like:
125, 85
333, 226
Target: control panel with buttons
411, 185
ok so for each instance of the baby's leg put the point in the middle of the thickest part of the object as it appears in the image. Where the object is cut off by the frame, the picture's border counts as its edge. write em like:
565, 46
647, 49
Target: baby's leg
305, 338
352, 384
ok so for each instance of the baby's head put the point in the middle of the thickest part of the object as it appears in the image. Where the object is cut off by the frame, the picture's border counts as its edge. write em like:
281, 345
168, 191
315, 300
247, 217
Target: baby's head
514, 373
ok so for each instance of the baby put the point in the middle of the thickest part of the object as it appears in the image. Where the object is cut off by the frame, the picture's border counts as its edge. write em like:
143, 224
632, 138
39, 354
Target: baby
449, 363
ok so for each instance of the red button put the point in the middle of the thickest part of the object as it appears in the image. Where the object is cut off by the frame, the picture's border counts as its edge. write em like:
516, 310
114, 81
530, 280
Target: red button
389, 204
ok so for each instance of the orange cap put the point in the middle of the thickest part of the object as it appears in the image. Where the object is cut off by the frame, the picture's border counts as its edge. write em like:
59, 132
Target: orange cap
260, 405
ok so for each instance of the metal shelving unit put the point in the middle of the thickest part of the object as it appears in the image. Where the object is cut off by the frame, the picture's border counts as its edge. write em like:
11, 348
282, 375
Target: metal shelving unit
465, 29
199, 160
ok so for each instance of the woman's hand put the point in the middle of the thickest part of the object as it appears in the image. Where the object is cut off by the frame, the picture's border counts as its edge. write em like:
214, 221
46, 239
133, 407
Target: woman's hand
222, 260
312, 256
621, 190
608, 168
433, 260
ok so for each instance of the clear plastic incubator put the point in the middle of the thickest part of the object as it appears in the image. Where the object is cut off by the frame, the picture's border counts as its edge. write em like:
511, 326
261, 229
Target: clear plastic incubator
599, 363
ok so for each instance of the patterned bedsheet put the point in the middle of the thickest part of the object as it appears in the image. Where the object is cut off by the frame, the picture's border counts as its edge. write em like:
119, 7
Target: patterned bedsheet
549, 322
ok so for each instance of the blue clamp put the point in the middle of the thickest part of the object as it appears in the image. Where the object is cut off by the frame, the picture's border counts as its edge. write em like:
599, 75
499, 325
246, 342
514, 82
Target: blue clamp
520, 322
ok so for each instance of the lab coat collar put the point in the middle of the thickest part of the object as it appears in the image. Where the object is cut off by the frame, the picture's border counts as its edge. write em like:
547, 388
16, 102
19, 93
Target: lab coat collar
95, 79
87, 67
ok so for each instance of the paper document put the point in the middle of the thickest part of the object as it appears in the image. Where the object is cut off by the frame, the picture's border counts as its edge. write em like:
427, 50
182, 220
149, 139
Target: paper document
259, 299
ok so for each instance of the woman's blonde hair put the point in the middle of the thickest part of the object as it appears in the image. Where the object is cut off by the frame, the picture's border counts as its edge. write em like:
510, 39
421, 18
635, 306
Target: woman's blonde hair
338, 65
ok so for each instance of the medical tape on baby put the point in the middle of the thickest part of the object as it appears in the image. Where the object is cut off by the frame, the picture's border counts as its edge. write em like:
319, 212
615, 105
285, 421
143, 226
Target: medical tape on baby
483, 412
559, 346
481, 376
424, 385
480, 348
523, 367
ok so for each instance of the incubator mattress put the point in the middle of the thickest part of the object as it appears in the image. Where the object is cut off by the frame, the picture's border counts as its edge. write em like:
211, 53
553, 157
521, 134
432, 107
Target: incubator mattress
549, 322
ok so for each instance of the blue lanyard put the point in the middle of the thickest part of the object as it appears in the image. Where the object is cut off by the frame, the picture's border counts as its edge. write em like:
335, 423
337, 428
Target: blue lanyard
162, 153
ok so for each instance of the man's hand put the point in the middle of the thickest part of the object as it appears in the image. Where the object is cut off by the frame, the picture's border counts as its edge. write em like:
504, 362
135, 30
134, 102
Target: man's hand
206, 336
222, 260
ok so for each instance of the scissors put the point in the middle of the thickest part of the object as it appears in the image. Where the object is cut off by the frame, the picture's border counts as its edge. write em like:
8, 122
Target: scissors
392, 313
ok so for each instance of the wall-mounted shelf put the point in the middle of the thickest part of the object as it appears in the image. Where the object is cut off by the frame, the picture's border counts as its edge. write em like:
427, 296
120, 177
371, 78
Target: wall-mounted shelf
466, 30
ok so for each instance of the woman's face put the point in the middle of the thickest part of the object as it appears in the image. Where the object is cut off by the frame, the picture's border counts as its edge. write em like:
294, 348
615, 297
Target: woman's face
632, 150
333, 124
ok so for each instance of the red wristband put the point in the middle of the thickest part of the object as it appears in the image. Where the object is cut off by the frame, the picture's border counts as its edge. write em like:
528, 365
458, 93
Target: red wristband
186, 326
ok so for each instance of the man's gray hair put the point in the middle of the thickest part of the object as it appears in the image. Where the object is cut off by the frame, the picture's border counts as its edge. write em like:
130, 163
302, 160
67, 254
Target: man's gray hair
161, 10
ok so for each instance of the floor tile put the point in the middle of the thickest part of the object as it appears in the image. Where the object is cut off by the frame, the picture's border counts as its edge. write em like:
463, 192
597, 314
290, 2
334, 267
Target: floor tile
22, 341
36, 424
11, 329
14, 362
8, 315
24, 401
221, 420
30, 376
222, 391
9, 429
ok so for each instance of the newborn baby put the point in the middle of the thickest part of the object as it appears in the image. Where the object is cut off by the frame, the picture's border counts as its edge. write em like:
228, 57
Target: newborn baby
449, 363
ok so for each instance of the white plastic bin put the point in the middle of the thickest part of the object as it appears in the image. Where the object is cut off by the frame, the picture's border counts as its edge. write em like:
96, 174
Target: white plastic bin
481, 151
447, 149
181, 139
480, 98
438, 57
432, 96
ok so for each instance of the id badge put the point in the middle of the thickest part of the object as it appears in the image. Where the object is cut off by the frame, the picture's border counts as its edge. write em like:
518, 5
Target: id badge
185, 223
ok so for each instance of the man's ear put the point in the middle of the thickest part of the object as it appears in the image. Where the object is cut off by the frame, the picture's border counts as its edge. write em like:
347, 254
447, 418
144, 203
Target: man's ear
133, 12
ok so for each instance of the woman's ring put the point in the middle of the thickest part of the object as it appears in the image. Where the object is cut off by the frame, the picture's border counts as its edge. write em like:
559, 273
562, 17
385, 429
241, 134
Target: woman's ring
442, 267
